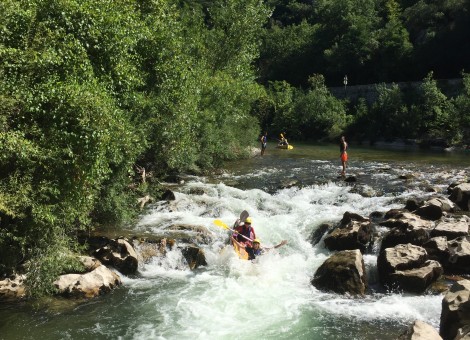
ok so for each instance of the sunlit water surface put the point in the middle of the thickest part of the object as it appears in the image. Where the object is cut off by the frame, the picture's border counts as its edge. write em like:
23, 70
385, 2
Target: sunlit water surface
271, 298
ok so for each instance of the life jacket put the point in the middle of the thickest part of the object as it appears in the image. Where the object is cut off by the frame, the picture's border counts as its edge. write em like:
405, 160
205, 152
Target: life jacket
247, 232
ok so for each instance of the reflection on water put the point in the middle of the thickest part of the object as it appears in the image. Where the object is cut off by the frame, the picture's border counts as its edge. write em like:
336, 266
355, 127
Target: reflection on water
272, 298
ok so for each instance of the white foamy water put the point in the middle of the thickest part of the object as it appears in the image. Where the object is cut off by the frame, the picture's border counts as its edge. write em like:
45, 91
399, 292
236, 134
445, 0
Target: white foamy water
271, 297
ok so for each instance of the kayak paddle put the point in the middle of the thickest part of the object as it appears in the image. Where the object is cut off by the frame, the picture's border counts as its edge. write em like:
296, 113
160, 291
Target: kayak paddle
219, 223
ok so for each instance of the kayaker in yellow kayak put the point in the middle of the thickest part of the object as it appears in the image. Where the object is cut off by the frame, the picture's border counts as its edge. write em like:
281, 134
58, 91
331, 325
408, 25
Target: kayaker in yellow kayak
243, 235
283, 140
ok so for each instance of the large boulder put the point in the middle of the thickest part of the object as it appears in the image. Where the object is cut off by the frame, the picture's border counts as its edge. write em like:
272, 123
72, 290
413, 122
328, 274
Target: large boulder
406, 267
89, 263
435, 208
97, 282
455, 313
318, 233
451, 228
459, 255
13, 288
348, 217
355, 235
194, 256
119, 254
342, 273
460, 195
406, 220
417, 280
406, 228
396, 236
420, 330
438, 249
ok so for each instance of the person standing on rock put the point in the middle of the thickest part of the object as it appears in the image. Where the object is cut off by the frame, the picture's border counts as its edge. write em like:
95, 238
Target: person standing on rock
343, 146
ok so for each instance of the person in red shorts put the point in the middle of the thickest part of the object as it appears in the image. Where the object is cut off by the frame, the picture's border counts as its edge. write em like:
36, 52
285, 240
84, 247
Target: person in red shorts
343, 146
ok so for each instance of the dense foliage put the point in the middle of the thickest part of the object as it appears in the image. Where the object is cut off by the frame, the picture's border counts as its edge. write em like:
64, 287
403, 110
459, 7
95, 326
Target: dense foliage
371, 41
93, 91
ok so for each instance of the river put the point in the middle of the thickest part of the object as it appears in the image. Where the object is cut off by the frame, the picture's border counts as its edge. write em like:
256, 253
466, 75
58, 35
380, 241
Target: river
271, 298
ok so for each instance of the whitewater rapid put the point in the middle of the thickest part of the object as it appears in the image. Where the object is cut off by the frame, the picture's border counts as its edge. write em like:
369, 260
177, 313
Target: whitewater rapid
272, 297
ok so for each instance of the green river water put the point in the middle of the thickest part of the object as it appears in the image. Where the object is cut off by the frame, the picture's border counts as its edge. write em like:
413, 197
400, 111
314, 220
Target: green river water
271, 298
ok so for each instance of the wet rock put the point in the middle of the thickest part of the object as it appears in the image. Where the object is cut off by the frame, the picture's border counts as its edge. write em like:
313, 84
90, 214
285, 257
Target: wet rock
393, 213
407, 228
459, 259
97, 282
413, 204
420, 330
406, 220
350, 179
342, 273
13, 288
434, 208
119, 254
355, 235
461, 195
348, 217
194, 256
407, 267
174, 178
397, 236
463, 333
429, 212
197, 191
188, 233
146, 251
438, 249
89, 263
451, 228
417, 280
168, 195
431, 189
455, 313
318, 233
365, 191
376, 215
289, 183
408, 176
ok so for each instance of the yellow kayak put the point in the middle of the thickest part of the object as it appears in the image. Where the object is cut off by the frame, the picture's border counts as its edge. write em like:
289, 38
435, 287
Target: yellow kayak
242, 254
287, 147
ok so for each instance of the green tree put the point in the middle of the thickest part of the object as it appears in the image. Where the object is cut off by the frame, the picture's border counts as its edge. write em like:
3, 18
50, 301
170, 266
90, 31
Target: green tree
390, 114
459, 117
431, 110
350, 30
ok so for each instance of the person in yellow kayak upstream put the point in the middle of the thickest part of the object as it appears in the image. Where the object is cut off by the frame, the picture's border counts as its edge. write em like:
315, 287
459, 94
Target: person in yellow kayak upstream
283, 140
258, 250
243, 235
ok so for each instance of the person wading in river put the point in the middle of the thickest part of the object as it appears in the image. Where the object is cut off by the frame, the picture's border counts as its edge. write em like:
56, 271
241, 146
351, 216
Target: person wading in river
343, 146
264, 142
